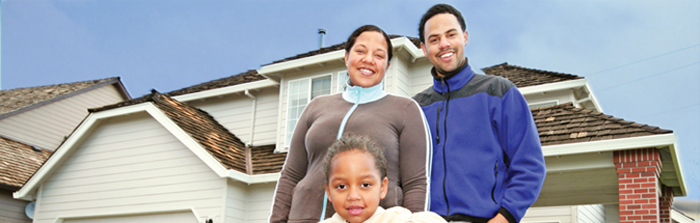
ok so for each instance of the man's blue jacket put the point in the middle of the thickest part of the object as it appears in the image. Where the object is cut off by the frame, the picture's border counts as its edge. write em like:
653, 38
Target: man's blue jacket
487, 157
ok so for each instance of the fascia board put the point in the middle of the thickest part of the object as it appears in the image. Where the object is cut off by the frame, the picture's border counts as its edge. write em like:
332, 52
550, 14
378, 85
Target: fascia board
609, 145
226, 90
67, 147
665, 140
552, 86
593, 99
292, 64
92, 121
330, 56
186, 139
253, 179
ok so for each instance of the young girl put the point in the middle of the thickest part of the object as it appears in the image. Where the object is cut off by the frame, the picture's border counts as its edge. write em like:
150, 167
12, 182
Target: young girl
356, 180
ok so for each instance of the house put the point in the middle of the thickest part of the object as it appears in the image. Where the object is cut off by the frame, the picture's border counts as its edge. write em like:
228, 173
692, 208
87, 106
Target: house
34, 121
212, 152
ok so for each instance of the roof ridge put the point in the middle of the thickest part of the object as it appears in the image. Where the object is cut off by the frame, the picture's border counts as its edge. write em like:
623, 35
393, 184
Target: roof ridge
69, 83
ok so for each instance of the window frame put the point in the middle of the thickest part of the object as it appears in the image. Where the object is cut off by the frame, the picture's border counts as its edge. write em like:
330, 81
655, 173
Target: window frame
309, 79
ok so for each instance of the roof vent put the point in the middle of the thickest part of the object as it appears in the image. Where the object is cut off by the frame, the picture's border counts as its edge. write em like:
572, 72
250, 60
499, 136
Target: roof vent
321, 35
36, 148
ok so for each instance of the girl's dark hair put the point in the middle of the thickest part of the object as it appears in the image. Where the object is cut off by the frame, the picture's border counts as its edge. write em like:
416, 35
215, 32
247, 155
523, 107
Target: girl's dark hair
439, 9
350, 142
365, 28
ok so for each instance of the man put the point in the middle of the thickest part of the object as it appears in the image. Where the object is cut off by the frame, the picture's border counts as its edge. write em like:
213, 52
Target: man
487, 159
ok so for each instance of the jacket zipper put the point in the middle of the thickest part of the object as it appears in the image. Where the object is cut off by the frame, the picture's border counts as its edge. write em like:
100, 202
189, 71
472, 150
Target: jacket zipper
495, 176
444, 126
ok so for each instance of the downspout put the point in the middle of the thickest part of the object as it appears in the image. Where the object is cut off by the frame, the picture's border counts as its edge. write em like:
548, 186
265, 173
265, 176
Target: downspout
248, 152
252, 117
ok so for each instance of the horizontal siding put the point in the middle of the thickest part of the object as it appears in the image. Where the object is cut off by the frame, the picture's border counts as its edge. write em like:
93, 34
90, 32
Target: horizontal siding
259, 202
12, 210
235, 202
420, 76
235, 111
130, 164
177, 217
562, 214
46, 126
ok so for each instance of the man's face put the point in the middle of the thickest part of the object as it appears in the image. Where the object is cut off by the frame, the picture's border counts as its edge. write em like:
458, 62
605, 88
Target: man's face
444, 43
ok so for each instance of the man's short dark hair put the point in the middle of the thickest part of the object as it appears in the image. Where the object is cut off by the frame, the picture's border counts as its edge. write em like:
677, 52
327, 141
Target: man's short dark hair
366, 28
439, 9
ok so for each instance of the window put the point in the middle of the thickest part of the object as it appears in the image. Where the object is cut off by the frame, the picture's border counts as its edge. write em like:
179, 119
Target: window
300, 93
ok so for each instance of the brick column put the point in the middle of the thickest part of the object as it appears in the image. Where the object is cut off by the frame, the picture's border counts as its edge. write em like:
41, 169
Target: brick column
665, 203
638, 174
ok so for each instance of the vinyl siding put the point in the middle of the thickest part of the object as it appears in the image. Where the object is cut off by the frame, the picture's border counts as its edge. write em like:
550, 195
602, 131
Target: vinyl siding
236, 196
175, 217
594, 213
234, 112
400, 78
130, 164
46, 126
12, 210
259, 202
562, 214
420, 76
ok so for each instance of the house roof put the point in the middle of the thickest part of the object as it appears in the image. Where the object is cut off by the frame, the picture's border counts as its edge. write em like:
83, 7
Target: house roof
20, 99
335, 47
225, 147
524, 77
18, 162
265, 160
562, 124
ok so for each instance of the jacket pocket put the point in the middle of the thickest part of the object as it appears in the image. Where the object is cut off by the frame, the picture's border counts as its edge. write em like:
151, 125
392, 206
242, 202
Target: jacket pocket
495, 182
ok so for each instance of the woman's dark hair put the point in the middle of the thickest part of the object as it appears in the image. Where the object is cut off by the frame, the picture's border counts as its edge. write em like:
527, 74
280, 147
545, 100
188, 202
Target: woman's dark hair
350, 142
439, 9
366, 28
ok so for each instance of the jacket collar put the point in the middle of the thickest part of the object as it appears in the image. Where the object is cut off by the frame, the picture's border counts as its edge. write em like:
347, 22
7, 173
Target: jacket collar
361, 95
454, 80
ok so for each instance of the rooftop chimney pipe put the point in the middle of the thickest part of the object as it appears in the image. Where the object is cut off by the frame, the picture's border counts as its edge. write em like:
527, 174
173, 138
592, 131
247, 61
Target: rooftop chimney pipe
321, 35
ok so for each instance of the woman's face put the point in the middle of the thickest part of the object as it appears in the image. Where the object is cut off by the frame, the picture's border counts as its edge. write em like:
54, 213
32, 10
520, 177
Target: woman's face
367, 60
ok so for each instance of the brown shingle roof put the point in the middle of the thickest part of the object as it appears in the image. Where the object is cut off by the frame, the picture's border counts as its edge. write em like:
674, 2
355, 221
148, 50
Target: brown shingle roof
18, 162
245, 77
14, 100
562, 124
523, 77
335, 47
265, 160
219, 142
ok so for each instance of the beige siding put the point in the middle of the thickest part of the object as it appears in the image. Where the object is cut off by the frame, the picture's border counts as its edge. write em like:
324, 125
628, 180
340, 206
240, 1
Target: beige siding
420, 76
399, 77
12, 210
235, 111
594, 213
236, 196
46, 126
259, 202
130, 164
562, 214
175, 217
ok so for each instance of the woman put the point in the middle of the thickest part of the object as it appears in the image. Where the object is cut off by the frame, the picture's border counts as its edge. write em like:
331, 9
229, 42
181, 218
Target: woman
395, 122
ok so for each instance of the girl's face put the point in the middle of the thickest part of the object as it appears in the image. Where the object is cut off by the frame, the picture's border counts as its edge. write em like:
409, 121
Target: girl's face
367, 60
355, 186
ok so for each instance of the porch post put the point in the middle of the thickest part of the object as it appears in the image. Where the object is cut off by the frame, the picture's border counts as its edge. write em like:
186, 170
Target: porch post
638, 174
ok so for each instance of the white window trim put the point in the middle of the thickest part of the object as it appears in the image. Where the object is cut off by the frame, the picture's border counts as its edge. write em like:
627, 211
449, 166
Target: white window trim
339, 82
308, 96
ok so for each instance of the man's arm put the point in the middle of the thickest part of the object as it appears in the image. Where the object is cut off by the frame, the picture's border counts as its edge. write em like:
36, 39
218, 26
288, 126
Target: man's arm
524, 160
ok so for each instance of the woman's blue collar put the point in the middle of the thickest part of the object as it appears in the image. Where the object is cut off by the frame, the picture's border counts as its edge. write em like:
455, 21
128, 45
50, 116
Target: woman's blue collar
362, 95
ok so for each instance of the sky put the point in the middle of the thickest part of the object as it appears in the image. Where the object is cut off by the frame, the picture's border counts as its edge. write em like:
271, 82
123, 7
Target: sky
641, 58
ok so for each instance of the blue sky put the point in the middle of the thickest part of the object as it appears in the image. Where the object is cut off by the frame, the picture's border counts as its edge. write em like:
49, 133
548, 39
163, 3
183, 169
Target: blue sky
641, 58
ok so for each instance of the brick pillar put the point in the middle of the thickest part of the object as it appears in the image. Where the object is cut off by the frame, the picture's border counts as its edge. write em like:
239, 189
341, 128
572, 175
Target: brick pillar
638, 174
665, 203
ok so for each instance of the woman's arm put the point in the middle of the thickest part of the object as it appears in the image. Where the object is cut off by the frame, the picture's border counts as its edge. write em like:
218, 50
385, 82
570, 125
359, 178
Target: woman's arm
414, 148
293, 171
